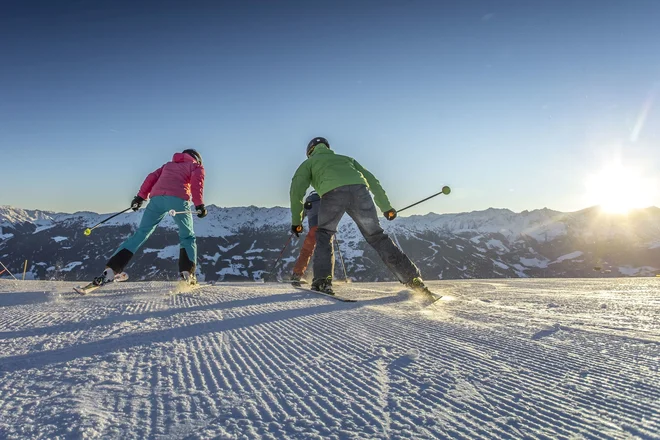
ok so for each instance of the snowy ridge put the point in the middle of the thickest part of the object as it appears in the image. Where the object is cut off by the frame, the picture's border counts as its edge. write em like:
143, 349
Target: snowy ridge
244, 243
222, 222
219, 222
12, 216
540, 225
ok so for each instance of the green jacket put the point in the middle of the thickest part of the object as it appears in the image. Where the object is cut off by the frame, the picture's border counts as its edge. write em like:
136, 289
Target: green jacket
325, 171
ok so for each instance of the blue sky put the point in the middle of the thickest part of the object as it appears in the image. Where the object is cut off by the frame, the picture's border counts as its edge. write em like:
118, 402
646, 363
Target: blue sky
514, 104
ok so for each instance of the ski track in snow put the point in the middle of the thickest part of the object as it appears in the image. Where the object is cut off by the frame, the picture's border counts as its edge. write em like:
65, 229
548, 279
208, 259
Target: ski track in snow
503, 359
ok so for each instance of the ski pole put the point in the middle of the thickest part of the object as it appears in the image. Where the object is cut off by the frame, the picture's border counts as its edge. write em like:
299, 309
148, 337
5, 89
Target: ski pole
8, 271
341, 258
445, 190
281, 253
173, 212
89, 230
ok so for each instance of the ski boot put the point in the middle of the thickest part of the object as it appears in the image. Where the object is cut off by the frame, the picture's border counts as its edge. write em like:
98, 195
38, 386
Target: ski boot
323, 285
108, 276
417, 285
295, 280
188, 278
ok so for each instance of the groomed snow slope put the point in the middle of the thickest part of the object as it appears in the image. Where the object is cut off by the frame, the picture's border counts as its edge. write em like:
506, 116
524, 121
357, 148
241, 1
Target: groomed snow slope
550, 359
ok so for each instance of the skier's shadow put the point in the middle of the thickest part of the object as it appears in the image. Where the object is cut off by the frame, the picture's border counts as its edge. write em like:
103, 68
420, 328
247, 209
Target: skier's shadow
99, 347
158, 314
11, 299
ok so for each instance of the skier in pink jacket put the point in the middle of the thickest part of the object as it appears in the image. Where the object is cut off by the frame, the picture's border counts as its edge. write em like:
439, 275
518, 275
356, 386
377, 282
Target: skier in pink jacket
170, 187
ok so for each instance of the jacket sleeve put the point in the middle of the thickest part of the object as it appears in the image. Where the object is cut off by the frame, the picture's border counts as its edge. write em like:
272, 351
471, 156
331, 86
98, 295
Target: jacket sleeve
380, 197
197, 185
149, 183
299, 184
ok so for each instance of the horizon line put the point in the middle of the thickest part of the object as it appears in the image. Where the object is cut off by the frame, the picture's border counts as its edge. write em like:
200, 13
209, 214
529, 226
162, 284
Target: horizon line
412, 215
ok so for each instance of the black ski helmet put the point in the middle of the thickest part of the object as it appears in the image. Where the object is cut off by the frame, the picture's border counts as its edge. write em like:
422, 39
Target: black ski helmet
314, 142
194, 154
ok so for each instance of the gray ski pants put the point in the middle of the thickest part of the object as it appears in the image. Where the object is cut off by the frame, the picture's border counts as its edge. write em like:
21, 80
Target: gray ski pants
356, 201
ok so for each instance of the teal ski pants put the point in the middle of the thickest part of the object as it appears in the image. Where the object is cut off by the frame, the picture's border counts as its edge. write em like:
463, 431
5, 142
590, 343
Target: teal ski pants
154, 213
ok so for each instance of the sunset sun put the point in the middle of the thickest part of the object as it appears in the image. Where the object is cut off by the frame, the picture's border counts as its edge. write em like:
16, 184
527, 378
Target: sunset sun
618, 189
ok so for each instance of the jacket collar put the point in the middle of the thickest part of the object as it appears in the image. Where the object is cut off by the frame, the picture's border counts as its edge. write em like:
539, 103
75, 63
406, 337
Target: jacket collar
321, 149
183, 157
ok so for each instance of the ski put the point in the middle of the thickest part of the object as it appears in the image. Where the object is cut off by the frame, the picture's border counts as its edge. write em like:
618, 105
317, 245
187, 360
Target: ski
120, 277
335, 297
292, 282
426, 294
182, 288
433, 297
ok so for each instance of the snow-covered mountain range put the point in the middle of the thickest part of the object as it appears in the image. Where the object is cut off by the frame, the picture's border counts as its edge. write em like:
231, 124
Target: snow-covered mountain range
243, 243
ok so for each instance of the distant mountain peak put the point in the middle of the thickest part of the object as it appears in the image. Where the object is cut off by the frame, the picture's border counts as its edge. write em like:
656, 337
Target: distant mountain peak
243, 243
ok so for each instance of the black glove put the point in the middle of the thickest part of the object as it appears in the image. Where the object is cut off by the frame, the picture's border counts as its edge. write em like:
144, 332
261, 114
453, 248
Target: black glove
390, 215
308, 205
201, 211
137, 202
296, 229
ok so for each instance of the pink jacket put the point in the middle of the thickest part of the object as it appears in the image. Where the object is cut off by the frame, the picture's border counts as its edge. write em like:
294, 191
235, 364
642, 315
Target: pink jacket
183, 178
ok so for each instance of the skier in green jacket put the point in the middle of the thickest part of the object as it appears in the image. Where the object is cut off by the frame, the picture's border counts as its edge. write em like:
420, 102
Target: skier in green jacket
344, 186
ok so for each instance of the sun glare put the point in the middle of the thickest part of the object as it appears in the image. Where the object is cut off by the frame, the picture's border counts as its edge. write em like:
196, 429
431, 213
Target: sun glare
618, 189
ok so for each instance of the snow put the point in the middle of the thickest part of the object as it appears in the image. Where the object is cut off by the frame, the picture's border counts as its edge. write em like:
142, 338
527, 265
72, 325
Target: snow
69, 267
233, 269
570, 256
225, 222
10, 215
520, 267
168, 252
638, 271
224, 250
44, 228
497, 244
248, 360
213, 258
59, 239
254, 250
6, 236
541, 225
349, 253
629, 271
498, 229
44, 220
534, 262
258, 275
500, 264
